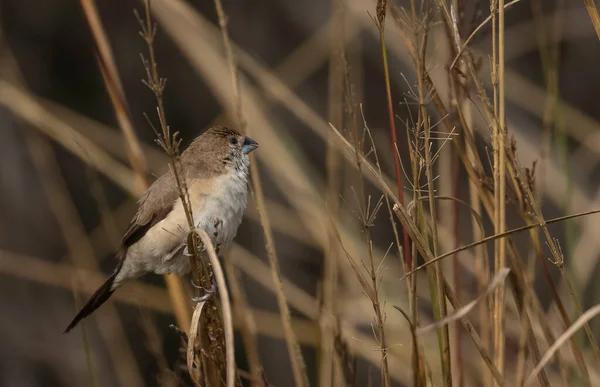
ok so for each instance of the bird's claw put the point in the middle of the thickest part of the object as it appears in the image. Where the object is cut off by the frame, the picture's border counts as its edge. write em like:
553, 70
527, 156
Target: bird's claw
187, 253
208, 293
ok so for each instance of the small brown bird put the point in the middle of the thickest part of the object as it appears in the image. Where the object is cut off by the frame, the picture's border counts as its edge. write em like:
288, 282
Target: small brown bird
215, 169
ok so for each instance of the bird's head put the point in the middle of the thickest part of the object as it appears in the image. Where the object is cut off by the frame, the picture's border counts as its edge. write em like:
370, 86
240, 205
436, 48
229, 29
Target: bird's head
220, 147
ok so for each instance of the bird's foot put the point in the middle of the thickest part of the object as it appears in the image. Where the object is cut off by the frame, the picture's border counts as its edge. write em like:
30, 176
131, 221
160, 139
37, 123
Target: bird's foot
187, 253
208, 293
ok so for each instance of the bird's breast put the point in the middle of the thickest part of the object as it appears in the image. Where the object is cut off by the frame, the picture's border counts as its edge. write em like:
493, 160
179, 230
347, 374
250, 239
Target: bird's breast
220, 211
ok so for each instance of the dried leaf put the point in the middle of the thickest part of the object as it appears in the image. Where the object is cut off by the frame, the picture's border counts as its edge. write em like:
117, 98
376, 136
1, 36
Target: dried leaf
191, 349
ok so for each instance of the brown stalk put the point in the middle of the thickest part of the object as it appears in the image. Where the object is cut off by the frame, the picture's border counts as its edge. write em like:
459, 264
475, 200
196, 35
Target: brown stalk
497, 9
115, 89
503, 235
369, 285
296, 359
416, 167
381, 15
418, 361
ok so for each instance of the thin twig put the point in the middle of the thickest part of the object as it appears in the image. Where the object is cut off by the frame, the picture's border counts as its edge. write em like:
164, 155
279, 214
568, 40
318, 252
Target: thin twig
503, 235
479, 27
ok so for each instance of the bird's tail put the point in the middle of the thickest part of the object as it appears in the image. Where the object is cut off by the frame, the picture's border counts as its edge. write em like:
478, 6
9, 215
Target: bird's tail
100, 296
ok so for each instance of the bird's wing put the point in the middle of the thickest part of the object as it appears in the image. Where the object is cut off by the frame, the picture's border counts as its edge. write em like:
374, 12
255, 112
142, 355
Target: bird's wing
154, 206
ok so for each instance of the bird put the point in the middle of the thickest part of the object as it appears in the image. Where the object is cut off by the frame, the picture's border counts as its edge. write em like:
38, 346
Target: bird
215, 168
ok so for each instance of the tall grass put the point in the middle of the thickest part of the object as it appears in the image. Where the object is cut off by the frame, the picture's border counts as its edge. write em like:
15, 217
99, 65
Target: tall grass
384, 285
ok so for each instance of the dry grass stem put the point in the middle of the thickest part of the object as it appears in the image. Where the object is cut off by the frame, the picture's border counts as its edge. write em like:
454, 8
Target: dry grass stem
423, 248
503, 235
450, 91
498, 137
115, 89
194, 338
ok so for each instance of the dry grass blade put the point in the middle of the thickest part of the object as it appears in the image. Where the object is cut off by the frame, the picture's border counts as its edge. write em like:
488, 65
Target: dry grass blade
115, 88
580, 322
458, 314
191, 345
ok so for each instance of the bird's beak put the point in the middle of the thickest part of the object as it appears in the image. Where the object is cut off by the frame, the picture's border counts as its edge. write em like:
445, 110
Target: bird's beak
249, 145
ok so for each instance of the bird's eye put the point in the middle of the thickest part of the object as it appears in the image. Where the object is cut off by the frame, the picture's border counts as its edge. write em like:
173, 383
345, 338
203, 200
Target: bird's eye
233, 141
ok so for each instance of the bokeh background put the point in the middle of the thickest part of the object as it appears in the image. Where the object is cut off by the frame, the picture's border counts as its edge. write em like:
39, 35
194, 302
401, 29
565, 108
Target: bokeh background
61, 215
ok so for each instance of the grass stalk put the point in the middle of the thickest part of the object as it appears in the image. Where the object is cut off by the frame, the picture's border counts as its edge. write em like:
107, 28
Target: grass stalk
381, 15
367, 214
497, 9
421, 245
248, 325
424, 122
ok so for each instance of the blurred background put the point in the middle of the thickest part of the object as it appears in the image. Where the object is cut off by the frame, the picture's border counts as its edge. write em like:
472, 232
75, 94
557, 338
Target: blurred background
67, 190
